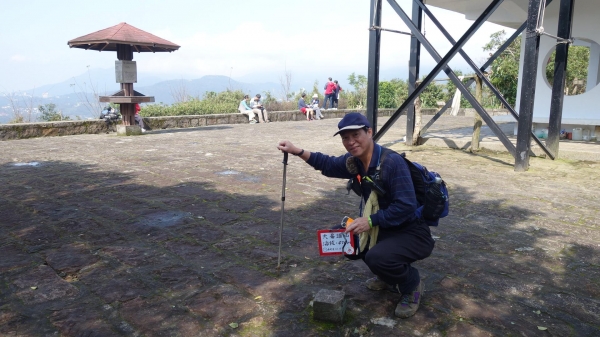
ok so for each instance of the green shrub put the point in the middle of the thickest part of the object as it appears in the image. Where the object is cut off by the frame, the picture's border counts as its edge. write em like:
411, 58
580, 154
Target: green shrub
212, 103
392, 93
49, 113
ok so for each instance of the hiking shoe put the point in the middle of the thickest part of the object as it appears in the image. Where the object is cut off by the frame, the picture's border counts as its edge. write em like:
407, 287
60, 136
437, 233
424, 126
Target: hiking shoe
252, 122
376, 284
409, 303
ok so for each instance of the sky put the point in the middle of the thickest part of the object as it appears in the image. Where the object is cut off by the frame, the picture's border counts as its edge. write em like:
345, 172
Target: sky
251, 41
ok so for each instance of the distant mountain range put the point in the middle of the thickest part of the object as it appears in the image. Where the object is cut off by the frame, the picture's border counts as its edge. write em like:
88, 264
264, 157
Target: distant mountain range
75, 97
165, 90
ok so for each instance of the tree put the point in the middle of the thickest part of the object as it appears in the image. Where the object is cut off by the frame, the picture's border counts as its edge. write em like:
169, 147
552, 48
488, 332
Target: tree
286, 83
92, 103
432, 94
48, 113
22, 106
392, 93
577, 70
17, 110
315, 89
450, 91
180, 92
358, 98
504, 73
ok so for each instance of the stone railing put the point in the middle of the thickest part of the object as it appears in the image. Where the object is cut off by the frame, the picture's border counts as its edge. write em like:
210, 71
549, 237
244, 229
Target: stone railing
49, 129
66, 128
157, 123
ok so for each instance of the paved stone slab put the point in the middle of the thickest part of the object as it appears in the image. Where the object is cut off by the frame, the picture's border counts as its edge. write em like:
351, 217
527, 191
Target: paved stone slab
81, 321
41, 285
13, 258
158, 317
214, 304
70, 259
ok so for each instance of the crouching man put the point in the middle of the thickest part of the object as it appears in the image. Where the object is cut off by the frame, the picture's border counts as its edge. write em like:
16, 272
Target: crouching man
391, 237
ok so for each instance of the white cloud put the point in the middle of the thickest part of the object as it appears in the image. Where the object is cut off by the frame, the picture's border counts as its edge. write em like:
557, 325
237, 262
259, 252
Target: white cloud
18, 58
316, 43
251, 48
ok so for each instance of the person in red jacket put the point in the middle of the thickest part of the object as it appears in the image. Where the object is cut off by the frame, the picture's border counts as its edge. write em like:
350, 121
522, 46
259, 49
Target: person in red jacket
329, 93
138, 119
336, 94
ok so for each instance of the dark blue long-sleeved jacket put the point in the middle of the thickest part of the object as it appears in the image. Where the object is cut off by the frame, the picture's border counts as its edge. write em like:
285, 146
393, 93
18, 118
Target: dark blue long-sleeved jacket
397, 208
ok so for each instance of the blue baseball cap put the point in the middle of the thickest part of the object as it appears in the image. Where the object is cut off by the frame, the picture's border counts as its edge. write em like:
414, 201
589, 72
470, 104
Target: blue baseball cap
352, 121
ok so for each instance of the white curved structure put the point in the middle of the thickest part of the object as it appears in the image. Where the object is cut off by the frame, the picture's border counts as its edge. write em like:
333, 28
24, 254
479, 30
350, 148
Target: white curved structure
580, 110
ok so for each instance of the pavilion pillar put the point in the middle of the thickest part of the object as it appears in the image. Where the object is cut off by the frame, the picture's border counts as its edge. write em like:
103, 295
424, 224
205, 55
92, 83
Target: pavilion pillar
125, 53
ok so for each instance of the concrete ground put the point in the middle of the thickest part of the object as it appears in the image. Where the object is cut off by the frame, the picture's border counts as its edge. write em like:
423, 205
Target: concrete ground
456, 132
175, 233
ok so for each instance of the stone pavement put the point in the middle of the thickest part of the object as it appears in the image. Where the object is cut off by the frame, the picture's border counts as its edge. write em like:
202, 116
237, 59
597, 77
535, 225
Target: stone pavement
456, 132
175, 233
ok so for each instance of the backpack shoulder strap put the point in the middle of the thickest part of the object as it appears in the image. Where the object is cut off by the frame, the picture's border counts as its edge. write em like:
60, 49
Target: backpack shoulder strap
384, 152
416, 174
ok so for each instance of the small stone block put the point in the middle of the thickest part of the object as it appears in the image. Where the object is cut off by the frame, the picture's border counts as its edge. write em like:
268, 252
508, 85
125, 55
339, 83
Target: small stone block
129, 130
329, 305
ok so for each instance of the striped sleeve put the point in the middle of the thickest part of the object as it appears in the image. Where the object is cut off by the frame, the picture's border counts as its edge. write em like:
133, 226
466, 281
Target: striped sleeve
334, 167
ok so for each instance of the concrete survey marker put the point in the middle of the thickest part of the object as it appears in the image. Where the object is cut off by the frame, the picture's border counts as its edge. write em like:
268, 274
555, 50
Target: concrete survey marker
329, 305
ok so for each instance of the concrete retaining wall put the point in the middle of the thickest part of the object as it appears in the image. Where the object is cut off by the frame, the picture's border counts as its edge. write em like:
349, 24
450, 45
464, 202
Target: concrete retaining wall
470, 112
66, 128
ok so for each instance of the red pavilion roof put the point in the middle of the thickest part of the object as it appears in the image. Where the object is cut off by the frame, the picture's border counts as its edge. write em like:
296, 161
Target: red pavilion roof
108, 38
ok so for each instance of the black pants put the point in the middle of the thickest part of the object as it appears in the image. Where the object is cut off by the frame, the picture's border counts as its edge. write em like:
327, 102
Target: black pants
139, 120
390, 259
328, 97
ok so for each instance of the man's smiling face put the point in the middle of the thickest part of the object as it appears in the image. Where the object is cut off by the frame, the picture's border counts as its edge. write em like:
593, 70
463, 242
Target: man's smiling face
357, 141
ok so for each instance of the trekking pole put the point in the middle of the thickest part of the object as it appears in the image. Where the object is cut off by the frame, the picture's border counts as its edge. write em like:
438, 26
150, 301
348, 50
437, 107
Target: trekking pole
285, 160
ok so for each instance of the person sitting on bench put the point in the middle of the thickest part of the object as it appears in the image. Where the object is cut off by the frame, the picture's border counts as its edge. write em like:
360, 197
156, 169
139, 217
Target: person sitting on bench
263, 115
246, 110
305, 109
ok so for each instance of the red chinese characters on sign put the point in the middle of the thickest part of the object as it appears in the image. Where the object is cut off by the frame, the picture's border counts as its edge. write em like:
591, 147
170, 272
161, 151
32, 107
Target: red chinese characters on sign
335, 242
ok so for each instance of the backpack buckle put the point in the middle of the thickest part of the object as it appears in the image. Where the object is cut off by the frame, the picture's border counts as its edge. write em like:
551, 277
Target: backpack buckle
353, 184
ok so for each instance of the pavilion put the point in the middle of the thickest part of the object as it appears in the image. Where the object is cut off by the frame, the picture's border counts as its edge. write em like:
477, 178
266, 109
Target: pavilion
125, 40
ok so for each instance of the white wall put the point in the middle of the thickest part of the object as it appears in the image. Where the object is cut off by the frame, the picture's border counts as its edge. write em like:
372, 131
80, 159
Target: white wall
586, 25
